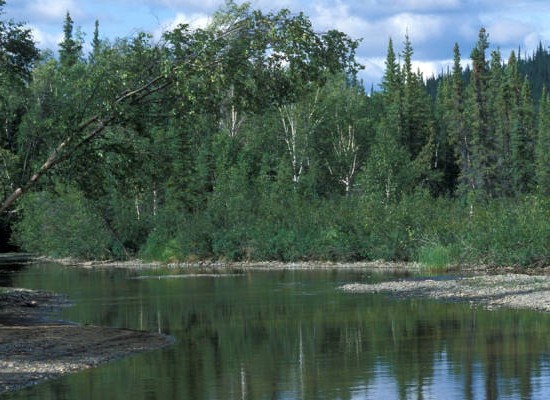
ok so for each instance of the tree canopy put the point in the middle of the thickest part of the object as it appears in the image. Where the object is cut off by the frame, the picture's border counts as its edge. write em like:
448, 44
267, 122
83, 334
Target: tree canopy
253, 138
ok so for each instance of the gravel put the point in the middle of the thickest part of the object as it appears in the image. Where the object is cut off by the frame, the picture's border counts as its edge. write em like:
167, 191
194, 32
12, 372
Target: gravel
34, 348
503, 290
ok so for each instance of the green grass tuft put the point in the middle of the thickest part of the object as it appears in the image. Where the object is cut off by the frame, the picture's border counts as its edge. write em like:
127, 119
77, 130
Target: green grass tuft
435, 256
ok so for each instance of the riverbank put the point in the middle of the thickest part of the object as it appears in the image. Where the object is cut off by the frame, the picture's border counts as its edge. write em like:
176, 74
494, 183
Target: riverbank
36, 348
491, 291
211, 265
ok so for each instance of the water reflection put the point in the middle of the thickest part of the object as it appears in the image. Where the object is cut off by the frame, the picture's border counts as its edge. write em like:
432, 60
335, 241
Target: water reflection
291, 335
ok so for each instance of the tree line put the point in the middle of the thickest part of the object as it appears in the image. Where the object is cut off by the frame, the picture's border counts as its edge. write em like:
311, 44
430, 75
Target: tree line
254, 138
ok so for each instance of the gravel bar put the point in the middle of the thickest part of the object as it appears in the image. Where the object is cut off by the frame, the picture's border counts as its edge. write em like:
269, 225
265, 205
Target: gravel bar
34, 348
505, 290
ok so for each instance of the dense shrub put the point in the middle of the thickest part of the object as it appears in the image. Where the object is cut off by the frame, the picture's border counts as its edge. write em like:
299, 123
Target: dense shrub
291, 227
61, 225
435, 232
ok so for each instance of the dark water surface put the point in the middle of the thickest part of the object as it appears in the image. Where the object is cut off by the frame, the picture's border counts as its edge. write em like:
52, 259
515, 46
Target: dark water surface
293, 335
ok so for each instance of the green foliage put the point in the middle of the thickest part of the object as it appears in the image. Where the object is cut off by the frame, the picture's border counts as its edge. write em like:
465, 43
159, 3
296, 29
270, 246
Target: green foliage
8, 161
70, 49
542, 149
508, 232
18, 52
252, 139
388, 172
435, 256
62, 224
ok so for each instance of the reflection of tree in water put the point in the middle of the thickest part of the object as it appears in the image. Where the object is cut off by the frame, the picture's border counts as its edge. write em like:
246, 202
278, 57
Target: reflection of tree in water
268, 335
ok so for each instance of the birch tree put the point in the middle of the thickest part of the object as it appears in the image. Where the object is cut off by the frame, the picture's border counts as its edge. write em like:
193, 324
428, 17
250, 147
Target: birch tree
279, 51
347, 131
346, 150
299, 122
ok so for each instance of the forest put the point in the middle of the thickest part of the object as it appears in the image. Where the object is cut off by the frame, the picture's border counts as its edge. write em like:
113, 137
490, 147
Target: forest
254, 139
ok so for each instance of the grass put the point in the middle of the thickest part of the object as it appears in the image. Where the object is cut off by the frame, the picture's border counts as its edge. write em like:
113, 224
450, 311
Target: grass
435, 256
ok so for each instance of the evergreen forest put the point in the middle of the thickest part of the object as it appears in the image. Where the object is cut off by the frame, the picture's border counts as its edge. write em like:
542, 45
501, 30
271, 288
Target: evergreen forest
254, 139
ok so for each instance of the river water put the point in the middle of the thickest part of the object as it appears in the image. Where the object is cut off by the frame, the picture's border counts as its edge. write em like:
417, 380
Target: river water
292, 335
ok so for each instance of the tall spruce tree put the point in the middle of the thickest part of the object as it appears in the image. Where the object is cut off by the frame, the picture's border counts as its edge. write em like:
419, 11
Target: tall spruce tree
70, 49
418, 131
542, 148
506, 106
451, 144
96, 43
416, 105
482, 173
522, 141
392, 92
459, 133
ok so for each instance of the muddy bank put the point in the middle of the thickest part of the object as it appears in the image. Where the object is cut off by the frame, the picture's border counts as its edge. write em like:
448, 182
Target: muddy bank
35, 348
503, 290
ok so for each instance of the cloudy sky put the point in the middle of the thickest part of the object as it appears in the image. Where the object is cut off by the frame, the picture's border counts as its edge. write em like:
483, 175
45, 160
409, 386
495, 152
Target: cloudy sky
433, 25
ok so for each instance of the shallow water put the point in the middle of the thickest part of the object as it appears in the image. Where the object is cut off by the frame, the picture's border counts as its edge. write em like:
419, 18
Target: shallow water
293, 335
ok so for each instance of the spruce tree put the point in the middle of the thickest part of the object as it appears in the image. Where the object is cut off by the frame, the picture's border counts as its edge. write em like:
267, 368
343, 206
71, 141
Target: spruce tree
522, 141
96, 43
542, 147
391, 79
392, 92
508, 100
418, 123
459, 125
70, 49
481, 176
500, 103
417, 117
410, 121
457, 156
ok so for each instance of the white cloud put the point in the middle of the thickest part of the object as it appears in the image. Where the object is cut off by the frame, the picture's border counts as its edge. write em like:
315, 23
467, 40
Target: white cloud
374, 70
195, 21
339, 17
432, 68
532, 40
424, 5
206, 6
46, 40
52, 9
376, 66
421, 28
433, 25
375, 32
507, 30
270, 5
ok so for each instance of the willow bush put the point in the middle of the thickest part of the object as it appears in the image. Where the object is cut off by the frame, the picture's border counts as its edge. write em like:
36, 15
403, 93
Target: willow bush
62, 224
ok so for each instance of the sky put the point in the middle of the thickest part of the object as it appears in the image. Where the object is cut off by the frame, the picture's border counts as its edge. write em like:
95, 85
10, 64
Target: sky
432, 25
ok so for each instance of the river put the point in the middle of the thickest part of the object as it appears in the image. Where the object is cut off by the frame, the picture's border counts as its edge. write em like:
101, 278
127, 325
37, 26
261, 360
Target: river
292, 335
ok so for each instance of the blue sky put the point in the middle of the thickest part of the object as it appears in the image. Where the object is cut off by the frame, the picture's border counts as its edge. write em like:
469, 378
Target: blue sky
433, 25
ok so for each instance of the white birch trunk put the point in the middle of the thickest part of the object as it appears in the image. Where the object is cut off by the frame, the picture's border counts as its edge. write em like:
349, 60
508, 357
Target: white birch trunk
299, 122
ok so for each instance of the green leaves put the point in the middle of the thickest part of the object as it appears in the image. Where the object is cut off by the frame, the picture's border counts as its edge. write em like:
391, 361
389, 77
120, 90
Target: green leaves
70, 49
62, 224
542, 148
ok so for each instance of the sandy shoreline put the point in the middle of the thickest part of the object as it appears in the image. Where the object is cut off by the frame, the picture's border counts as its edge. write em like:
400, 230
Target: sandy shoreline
34, 348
